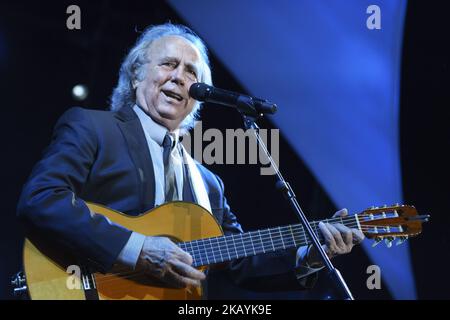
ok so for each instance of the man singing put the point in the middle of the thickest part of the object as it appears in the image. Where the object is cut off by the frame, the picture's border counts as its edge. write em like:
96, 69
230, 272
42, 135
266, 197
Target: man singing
130, 159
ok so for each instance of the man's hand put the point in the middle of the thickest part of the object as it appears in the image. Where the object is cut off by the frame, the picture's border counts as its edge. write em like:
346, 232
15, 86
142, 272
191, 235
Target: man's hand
164, 260
339, 239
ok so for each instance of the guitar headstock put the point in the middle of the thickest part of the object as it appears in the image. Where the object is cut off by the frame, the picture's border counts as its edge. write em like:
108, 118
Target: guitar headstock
391, 222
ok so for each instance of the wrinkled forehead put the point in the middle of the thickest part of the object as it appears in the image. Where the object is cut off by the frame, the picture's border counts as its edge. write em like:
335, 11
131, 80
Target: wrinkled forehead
175, 47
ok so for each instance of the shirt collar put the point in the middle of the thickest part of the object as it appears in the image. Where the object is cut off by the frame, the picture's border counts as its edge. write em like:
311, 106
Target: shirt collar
155, 131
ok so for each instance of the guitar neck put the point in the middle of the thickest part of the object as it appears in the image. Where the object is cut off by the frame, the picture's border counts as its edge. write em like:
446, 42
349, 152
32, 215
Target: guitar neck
230, 247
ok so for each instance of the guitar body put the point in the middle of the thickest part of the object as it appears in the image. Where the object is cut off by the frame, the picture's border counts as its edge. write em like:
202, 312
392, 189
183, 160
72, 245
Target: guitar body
48, 276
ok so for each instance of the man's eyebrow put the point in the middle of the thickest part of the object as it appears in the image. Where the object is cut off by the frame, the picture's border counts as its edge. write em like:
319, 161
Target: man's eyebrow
169, 59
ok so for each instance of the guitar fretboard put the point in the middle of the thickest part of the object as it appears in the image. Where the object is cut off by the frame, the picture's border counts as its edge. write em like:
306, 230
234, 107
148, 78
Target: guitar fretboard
230, 247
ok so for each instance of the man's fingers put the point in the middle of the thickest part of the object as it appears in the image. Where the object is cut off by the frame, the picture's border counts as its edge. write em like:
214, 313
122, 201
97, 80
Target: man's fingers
179, 253
184, 256
336, 235
358, 236
346, 234
174, 279
329, 239
187, 271
341, 213
339, 239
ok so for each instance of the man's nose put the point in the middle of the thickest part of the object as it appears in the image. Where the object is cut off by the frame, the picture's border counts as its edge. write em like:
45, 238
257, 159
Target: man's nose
177, 76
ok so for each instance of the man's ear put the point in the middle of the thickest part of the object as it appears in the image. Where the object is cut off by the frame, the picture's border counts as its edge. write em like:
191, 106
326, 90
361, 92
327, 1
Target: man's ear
134, 83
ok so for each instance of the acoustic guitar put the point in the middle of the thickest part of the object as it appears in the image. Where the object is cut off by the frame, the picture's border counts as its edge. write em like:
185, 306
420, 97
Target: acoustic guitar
52, 273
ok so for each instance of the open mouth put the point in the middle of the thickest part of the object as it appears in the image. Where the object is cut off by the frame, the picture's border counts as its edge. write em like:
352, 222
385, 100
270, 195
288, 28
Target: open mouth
173, 95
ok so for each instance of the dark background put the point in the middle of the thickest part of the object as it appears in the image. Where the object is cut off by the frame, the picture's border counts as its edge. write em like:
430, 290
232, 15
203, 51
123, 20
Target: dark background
41, 60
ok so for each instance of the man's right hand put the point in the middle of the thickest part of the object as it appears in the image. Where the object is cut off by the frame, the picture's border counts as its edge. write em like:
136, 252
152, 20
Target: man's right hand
164, 260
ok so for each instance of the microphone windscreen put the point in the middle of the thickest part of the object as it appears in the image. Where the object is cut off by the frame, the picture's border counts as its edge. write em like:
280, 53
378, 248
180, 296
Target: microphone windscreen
198, 91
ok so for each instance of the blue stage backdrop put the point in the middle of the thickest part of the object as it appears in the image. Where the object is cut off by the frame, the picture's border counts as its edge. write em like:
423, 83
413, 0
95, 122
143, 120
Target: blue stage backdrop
337, 86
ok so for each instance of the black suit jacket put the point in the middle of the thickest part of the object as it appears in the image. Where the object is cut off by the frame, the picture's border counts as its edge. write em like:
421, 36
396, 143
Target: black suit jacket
102, 157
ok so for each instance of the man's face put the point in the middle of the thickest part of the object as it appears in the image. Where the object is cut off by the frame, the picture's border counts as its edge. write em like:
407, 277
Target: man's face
164, 93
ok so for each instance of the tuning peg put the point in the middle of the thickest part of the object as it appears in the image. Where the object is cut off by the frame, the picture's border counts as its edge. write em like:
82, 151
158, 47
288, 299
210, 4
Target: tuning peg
401, 240
389, 241
395, 213
376, 242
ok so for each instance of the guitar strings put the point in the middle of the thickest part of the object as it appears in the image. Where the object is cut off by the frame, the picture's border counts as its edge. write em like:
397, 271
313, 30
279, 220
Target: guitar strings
277, 241
131, 274
245, 243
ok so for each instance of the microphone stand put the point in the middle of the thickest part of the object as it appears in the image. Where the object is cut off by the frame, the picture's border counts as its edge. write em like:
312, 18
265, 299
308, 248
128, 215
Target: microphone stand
250, 115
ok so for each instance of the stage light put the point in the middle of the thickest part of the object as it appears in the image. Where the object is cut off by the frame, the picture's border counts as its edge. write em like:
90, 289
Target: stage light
80, 92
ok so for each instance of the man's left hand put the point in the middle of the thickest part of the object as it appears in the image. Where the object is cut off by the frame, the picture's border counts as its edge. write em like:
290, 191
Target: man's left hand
339, 240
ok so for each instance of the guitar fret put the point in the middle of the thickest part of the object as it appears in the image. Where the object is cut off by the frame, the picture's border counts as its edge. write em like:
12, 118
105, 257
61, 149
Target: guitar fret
212, 250
255, 242
292, 235
300, 237
196, 249
295, 236
270, 236
199, 251
305, 236
205, 250
219, 249
234, 244
281, 235
228, 251
288, 237
243, 245
264, 236
262, 243
251, 241
206, 253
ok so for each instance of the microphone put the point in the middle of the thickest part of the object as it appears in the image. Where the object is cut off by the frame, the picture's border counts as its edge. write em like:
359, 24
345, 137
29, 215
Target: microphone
246, 104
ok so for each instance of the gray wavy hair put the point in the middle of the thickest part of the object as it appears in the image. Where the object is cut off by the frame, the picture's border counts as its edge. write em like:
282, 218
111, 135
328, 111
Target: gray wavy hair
132, 68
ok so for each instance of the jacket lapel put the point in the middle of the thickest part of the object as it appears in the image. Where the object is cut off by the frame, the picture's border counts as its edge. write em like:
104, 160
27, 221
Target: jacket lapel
137, 145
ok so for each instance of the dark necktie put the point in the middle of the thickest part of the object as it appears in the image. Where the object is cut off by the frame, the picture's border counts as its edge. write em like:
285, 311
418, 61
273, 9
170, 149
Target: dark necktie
188, 191
170, 191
